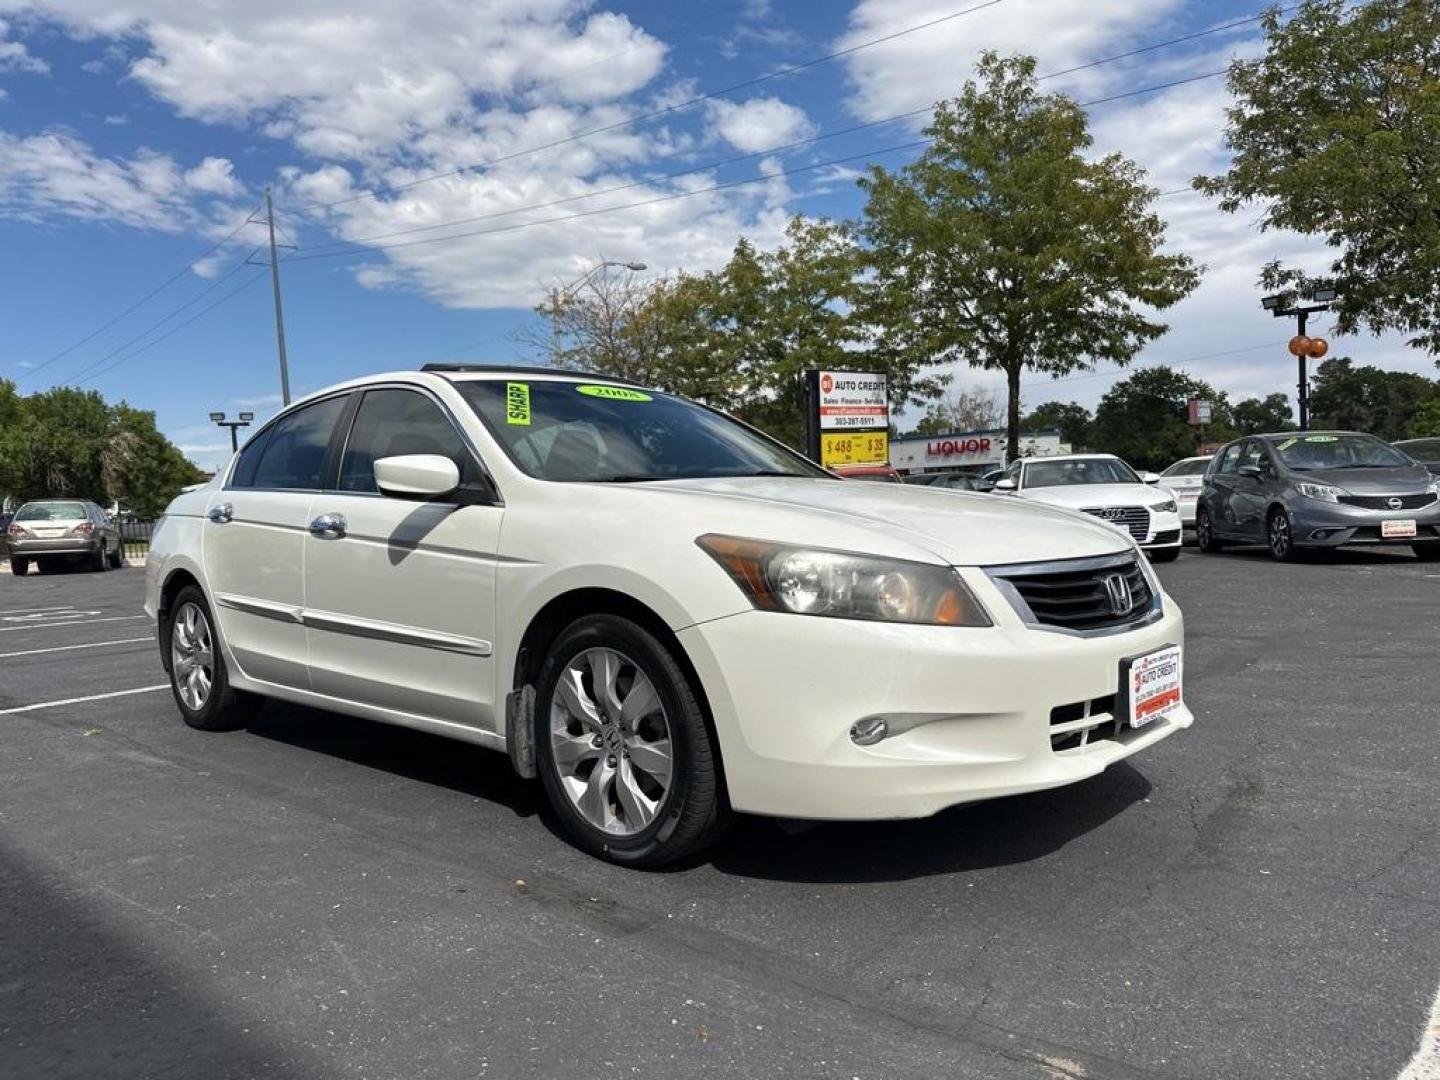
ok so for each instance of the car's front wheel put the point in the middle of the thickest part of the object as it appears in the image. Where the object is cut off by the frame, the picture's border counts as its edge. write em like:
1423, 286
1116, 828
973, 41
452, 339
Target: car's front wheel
1205, 538
623, 748
1165, 555
198, 677
1278, 534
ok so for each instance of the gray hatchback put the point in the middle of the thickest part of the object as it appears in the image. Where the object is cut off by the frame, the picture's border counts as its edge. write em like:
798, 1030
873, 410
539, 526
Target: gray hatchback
1317, 489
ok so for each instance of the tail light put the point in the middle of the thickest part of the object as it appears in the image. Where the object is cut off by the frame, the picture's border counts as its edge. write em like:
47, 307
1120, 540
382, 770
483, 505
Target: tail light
17, 531
83, 529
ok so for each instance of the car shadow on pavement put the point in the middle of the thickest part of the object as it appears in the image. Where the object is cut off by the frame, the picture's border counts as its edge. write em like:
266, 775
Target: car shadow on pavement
978, 836
82, 998
1348, 556
417, 755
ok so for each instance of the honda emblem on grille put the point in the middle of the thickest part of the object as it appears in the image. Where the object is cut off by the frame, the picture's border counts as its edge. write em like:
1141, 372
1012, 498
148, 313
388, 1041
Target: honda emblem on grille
1117, 590
1396, 504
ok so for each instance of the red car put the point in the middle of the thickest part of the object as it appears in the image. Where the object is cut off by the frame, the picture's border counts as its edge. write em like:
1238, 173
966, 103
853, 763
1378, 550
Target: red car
883, 473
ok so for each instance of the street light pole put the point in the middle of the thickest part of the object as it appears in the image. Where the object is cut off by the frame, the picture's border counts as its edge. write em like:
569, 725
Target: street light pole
558, 296
218, 418
1301, 345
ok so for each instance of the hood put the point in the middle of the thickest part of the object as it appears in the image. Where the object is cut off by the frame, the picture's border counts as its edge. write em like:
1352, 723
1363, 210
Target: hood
1405, 480
1080, 496
961, 528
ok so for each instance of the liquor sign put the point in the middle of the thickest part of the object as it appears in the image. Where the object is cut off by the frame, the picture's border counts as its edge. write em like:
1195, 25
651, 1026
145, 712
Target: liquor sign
847, 417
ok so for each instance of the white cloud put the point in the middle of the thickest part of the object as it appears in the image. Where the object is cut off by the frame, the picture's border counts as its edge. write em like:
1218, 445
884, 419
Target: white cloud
760, 123
14, 56
116, 120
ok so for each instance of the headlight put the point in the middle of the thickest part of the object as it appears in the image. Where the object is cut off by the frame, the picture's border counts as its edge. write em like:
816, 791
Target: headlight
840, 585
1167, 507
1323, 492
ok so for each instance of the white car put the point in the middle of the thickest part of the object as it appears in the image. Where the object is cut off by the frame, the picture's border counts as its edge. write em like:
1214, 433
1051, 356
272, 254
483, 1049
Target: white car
1185, 478
662, 613
1102, 486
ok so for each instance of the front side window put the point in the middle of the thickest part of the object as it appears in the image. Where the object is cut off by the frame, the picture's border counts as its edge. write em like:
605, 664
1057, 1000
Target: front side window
293, 457
1079, 471
391, 423
1229, 459
1306, 452
1252, 455
556, 430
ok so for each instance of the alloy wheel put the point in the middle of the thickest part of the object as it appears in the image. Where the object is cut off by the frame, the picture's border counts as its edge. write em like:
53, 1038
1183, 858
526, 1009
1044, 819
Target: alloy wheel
610, 741
1280, 536
192, 656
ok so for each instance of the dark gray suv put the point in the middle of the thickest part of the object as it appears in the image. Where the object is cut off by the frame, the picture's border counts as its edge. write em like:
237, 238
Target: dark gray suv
1317, 489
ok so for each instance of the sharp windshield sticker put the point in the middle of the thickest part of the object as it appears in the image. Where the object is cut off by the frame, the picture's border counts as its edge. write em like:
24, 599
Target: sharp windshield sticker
613, 393
517, 403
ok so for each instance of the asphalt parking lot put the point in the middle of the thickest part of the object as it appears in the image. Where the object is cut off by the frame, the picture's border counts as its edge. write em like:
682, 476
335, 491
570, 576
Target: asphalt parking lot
319, 896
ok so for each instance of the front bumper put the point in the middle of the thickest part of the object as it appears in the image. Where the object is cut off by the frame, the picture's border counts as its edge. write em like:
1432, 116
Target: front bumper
1165, 531
974, 708
35, 547
1315, 523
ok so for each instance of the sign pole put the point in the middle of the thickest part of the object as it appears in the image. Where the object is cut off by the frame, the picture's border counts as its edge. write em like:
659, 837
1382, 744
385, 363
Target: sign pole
811, 395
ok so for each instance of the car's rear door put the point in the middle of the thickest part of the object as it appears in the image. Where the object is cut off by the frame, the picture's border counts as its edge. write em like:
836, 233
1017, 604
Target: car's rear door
1221, 487
400, 594
254, 547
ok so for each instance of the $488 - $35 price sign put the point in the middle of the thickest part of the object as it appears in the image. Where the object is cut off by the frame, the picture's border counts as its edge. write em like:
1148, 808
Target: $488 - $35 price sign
854, 448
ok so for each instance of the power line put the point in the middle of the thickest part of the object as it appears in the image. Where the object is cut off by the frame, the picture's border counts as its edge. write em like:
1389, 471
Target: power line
224, 298
664, 111
675, 196
141, 302
1164, 44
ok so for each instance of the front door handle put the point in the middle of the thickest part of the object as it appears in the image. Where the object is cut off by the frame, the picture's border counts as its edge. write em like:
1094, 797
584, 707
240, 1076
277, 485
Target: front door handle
221, 514
328, 525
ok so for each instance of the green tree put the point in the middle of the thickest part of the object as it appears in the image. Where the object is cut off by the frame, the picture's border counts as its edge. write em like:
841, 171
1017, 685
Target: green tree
1074, 422
1144, 418
1006, 246
960, 409
1336, 132
1256, 415
1367, 398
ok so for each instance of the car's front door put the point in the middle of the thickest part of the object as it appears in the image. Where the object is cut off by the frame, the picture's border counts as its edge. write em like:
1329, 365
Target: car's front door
1247, 497
254, 542
1221, 481
400, 594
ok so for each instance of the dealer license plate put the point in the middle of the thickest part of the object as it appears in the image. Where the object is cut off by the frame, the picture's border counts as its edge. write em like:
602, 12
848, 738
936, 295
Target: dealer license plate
1151, 684
1397, 530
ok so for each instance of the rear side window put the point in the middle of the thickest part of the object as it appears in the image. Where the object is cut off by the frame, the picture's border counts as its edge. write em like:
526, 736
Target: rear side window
294, 454
390, 423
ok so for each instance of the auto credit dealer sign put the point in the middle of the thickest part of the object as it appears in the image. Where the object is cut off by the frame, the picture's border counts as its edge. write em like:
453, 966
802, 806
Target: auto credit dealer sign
849, 417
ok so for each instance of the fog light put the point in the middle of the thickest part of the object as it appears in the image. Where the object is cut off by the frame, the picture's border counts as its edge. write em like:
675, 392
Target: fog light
869, 731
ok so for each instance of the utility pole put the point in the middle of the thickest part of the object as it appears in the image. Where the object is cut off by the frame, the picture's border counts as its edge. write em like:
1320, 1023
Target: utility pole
279, 313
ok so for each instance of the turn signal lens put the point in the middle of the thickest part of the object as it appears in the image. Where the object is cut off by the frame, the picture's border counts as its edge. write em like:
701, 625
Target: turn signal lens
843, 585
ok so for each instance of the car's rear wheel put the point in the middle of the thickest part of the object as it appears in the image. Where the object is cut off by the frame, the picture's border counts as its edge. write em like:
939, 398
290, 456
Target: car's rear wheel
623, 748
1205, 538
198, 677
1426, 552
1280, 539
19, 567
98, 560
117, 556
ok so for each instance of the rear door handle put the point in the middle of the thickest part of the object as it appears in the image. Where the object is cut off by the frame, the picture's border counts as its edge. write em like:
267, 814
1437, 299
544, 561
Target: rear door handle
328, 525
221, 514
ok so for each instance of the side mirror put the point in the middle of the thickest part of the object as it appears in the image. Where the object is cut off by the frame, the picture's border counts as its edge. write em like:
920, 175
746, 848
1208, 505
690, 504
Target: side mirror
1150, 477
416, 476
1005, 485
1252, 471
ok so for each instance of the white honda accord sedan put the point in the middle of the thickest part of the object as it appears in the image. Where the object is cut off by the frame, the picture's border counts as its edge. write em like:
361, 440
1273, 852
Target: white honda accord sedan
663, 614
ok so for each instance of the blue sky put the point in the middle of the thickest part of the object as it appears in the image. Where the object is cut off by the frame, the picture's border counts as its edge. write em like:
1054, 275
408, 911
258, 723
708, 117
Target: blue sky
135, 138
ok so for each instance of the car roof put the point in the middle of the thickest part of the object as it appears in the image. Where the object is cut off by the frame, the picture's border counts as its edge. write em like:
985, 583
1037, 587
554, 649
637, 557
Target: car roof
1071, 457
476, 372
1301, 434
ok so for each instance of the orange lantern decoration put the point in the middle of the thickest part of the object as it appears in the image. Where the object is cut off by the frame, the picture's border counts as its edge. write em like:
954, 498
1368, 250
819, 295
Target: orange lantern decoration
1299, 345
1318, 347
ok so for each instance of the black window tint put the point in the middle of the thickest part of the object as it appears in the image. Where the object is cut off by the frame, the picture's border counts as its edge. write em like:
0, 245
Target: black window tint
1229, 459
294, 454
394, 422
244, 474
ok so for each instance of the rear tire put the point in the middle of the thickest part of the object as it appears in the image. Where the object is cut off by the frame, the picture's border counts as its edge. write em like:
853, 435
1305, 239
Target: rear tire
1426, 552
117, 557
198, 677
604, 767
98, 561
19, 567
1205, 538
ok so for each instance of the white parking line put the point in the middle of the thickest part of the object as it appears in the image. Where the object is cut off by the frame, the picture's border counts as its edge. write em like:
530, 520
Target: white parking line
69, 623
82, 700
32, 610
67, 648
1425, 1065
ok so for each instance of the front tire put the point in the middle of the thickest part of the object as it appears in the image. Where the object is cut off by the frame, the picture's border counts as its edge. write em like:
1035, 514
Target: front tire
1164, 555
1205, 538
623, 748
198, 677
1279, 537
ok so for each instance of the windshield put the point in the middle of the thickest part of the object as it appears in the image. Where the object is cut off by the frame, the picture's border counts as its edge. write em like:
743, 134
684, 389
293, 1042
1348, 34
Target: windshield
1192, 467
51, 511
1081, 471
573, 431
1338, 452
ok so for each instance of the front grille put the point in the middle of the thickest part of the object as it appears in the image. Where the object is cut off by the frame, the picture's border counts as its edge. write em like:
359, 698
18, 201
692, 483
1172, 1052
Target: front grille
1074, 594
1082, 722
1382, 502
1136, 519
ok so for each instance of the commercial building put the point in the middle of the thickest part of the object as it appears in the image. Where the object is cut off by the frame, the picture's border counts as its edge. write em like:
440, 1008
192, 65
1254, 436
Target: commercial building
968, 451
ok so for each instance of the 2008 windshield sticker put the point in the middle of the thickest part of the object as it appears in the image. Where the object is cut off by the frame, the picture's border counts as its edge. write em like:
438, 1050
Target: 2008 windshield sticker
517, 403
613, 393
